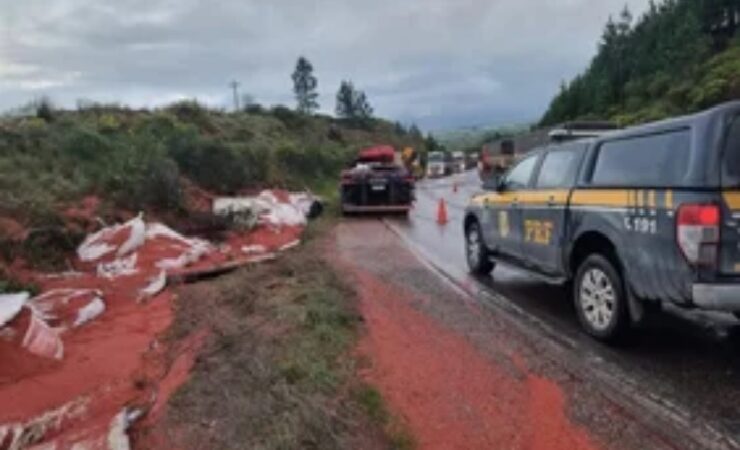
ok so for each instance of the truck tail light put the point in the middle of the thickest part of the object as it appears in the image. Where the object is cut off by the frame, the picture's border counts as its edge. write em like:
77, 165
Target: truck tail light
697, 233
346, 177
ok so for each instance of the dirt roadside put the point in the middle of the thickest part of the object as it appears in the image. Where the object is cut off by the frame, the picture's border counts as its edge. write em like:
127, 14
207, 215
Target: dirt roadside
350, 342
276, 370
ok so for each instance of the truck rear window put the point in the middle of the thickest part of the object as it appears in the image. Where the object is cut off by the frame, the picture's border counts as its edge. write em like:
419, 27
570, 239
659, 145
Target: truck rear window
658, 160
731, 160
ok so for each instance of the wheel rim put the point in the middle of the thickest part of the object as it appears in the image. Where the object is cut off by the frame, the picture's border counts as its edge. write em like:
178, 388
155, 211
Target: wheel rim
598, 298
474, 246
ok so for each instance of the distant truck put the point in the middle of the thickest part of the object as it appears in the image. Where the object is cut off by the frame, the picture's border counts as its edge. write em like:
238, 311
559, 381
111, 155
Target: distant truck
376, 182
471, 160
457, 164
437, 165
497, 158
494, 163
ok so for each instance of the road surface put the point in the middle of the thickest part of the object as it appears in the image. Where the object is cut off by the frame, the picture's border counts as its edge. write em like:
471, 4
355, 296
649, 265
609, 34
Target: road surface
680, 375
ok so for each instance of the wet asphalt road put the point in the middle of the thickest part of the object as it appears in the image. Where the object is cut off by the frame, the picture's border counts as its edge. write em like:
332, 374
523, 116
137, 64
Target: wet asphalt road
681, 369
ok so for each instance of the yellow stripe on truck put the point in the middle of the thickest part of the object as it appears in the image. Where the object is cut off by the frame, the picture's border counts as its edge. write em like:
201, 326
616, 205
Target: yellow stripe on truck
732, 199
616, 198
556, 197
543, 197
608, 198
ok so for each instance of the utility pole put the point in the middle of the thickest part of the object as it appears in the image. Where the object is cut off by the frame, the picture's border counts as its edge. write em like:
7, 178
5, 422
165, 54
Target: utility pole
235, 87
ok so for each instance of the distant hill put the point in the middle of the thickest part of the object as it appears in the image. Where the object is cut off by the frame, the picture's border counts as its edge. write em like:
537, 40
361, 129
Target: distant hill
680, 56
472, 138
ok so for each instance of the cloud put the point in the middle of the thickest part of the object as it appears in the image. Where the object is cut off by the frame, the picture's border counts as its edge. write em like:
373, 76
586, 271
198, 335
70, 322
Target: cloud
442, 63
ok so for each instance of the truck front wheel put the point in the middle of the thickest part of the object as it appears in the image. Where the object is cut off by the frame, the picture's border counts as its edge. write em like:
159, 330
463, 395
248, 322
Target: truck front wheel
599, 297
476, 252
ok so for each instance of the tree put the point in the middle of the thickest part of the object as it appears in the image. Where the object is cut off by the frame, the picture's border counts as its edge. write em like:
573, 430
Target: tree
432, 144
304, 86
363, 110
45, 109
415, 132
345, 108
644, 67
352, 103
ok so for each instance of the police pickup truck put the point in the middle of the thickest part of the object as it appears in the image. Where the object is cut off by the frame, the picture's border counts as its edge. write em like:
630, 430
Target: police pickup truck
630, 219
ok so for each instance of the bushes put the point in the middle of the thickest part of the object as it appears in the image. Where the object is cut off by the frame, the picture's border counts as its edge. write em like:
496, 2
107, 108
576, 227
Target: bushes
154, 184
303, 165
137, 158
192, 112
209, 163
290, 118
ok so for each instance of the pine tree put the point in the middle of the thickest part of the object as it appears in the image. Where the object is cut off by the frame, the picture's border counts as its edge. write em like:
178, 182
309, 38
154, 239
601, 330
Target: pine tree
346, 105
304, 86
431, 144
363, 110
415, 132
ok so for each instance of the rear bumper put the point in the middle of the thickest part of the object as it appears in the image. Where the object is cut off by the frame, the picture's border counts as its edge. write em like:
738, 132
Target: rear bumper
720, 297
376, 208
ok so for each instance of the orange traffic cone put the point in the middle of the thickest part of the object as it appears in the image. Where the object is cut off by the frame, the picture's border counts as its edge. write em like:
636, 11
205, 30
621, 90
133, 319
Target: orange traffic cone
442, 212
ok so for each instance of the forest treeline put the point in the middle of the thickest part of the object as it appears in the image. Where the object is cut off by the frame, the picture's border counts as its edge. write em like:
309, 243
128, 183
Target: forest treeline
679, 56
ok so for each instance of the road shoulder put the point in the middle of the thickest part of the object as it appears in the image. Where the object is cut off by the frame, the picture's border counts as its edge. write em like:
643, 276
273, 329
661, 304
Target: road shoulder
460, 376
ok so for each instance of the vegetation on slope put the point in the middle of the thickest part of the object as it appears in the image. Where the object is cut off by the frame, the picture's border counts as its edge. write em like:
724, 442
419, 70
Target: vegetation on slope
680, 56
143, 160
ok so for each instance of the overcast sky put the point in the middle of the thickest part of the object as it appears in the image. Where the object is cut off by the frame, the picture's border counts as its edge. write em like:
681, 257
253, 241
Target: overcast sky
440, 63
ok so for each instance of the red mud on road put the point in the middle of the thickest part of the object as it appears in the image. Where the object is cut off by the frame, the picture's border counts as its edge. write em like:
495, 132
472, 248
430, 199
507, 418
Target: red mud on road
449, 394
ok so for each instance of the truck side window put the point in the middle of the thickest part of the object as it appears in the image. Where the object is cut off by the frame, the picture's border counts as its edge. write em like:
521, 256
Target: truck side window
558, 169
658, 160
519, 176
731, 158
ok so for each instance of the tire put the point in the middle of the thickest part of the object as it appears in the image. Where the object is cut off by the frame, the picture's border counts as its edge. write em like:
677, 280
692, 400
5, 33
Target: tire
599, 298
476, 252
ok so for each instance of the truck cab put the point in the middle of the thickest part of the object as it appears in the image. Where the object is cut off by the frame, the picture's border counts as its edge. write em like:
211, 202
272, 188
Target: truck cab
436, 165
458, 162
633, 219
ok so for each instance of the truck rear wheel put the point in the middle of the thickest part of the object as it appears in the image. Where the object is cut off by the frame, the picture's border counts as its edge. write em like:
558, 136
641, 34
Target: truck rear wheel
476, 252
599, 297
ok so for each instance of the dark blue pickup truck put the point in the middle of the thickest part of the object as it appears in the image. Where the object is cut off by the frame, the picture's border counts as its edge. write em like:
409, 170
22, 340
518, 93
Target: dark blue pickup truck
632, 219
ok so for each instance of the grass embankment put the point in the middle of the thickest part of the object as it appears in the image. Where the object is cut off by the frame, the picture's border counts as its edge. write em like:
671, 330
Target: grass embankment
142, 160
278, 372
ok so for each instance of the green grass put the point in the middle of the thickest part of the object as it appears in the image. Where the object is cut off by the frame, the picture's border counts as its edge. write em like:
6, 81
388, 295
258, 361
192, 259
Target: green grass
279, 371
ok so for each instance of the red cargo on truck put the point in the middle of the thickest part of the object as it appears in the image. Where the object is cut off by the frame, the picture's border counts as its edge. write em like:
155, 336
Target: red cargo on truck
376, 182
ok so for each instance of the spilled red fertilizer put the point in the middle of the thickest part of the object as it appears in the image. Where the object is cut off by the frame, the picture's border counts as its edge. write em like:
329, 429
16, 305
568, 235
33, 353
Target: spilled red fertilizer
451, 396
109, 317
